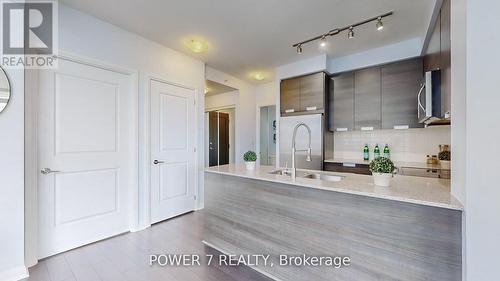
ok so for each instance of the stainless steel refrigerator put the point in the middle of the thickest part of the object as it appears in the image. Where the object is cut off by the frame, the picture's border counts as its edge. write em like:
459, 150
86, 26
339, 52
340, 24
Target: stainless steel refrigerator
286, 126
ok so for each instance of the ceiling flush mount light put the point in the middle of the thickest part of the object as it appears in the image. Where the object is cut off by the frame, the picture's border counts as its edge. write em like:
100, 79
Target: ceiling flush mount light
349, 29
197, 46
350, 34
258, 76
380, 24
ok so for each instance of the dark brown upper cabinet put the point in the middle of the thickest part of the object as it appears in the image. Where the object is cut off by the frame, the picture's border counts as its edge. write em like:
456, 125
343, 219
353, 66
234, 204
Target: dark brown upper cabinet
290, 95
400, 86
367, 99
437, 53
303, 94
376, 97
341, 102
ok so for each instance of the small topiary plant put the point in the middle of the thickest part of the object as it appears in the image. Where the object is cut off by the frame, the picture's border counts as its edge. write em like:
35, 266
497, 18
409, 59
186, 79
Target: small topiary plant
382, 165
444, 155
250, 156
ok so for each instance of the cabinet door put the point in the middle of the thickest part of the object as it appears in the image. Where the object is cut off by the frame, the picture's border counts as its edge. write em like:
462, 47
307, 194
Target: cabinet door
290, 95
367, 99
312, 92
341, 102
400, 86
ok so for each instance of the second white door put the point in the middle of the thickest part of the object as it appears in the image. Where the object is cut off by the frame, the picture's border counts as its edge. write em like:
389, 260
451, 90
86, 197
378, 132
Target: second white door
172, 150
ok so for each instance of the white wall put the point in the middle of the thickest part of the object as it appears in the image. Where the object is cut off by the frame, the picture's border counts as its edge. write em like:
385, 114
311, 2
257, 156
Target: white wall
482, 200
221, 100
12, 181
265, 94
389, 53
458, 106
87, 36
245, 109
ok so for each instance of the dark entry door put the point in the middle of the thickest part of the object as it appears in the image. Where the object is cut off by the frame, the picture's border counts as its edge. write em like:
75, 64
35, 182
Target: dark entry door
223, 138
213, 139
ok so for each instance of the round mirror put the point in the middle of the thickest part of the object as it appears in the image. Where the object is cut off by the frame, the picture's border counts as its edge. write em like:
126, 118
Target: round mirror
4, 90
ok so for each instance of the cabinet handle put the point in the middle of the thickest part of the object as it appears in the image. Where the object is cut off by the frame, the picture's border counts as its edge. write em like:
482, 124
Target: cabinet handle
419, 105
289, 110
341, 130
366, 128
401, 127
309, 108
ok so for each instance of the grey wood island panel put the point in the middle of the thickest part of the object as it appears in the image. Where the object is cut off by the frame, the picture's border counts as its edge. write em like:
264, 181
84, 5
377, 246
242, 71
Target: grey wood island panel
385, 239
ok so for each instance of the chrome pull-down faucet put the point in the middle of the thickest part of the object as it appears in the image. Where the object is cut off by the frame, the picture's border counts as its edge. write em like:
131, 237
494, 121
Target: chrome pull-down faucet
308, 150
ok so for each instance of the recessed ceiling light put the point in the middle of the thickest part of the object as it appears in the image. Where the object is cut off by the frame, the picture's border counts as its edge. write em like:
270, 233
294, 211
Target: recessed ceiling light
259, 76
197, 46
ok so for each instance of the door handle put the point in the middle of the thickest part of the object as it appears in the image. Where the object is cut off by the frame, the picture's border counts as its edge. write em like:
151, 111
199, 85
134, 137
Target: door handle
156, 162
47, 171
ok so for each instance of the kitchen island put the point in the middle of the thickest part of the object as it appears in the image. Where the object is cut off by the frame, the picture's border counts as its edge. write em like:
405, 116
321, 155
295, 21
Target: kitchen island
409, 231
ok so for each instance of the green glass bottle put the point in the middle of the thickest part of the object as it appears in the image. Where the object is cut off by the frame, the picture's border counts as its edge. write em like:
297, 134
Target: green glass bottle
366, 153
387, 152
376, 152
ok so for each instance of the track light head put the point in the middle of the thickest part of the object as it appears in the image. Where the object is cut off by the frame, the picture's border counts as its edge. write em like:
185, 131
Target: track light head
380, 24
350, 34
322, 43
299, 49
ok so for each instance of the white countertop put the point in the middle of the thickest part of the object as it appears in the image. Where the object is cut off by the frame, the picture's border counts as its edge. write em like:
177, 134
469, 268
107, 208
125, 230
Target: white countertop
417, 190
398, 164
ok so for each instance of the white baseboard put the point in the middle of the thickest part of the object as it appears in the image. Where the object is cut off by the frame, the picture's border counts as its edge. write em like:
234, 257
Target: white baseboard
14, 274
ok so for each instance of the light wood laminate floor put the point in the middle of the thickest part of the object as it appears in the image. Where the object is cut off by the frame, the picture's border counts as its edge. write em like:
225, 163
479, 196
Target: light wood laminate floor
126, 257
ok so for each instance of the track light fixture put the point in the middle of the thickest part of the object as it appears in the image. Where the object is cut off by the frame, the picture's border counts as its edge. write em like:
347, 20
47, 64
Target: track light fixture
350, 34
380, 24
322, 43
349, 28
299, 49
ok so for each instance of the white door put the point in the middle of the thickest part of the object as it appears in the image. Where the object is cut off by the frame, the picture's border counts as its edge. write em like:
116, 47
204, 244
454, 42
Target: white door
172, 150
85, 155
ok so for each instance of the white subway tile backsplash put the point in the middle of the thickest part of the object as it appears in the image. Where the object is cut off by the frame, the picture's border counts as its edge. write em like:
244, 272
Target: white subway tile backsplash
411, 145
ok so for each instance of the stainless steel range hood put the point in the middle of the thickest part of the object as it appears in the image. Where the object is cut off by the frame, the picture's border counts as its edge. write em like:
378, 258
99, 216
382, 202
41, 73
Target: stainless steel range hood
429, 100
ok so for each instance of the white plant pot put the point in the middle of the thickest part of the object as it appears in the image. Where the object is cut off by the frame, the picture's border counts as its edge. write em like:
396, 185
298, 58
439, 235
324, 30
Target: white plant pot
250, 165
444, 164
382, 179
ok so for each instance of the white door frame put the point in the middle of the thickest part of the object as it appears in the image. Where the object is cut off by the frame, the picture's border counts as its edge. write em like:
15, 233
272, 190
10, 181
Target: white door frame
31, 145
144, 210
258, 106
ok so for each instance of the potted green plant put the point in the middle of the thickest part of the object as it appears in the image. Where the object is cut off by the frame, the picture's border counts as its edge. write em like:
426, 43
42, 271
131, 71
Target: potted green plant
444, 159
250, 157
382, 170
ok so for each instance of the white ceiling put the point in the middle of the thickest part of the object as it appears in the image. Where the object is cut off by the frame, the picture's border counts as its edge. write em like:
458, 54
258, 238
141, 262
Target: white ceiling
215, 88
247, 36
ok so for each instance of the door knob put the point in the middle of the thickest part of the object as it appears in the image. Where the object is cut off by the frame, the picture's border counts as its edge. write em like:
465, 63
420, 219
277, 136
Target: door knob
46, 171
156, 162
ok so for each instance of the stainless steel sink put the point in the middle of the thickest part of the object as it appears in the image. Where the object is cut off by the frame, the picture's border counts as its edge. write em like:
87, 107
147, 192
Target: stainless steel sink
308, 175
281, 172
324, 177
